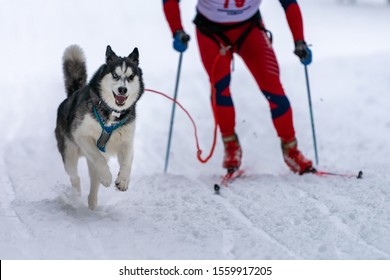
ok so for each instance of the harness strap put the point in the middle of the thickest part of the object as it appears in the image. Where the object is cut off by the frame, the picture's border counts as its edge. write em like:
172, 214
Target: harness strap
216, 31
213, 32
106, 130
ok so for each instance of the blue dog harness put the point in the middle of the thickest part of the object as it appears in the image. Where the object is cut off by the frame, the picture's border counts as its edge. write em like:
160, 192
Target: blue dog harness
106, 130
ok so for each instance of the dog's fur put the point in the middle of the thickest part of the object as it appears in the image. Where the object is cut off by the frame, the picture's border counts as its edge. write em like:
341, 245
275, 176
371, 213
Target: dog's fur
111, 95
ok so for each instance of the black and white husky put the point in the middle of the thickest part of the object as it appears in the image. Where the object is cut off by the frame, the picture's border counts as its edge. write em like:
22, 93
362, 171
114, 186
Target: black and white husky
97, 120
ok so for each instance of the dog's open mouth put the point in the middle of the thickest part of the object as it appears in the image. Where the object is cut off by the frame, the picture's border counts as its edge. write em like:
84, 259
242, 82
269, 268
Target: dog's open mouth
120, 100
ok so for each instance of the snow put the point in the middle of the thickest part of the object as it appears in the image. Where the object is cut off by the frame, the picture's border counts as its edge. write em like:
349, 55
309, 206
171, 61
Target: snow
268, 214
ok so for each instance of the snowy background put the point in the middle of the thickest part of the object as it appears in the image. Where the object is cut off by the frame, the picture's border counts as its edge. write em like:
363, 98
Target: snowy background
270, 213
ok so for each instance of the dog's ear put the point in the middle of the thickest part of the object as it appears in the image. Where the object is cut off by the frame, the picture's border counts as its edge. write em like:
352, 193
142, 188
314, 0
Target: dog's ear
134, 56
110, 55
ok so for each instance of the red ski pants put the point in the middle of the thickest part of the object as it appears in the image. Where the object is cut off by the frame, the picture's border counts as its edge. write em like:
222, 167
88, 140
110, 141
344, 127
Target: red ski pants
258, 55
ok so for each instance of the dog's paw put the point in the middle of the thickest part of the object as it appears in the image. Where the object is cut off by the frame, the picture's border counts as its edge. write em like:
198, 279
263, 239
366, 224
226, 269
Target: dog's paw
105, 177
122, 183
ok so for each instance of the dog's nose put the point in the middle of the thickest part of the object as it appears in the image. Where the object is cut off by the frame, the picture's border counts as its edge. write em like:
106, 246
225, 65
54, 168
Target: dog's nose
122, 90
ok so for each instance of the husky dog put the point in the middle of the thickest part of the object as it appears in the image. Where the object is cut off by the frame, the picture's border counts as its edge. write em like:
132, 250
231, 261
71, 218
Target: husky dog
97, 120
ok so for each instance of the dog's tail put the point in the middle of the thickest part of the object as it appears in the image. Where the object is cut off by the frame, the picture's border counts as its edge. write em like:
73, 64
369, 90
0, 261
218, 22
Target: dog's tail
74, 68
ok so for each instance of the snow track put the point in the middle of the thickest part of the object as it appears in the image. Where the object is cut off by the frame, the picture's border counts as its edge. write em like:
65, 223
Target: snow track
13, 228
344, 228
250, 225
14, 232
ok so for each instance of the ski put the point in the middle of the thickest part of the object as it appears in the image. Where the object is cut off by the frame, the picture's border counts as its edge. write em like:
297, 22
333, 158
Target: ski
346, 175
321, 173
233, 174
228, 178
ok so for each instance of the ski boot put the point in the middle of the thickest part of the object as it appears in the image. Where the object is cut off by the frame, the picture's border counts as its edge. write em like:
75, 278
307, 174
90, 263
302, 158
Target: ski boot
233, 153
294, 158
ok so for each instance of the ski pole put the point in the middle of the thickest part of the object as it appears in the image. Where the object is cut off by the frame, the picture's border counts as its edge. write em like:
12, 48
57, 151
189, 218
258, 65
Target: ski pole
173, 113
311, 114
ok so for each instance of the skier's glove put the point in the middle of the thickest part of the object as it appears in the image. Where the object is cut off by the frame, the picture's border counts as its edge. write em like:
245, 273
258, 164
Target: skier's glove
180, 41
303, 52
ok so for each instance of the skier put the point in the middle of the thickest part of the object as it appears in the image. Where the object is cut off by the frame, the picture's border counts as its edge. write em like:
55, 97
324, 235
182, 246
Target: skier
225, 27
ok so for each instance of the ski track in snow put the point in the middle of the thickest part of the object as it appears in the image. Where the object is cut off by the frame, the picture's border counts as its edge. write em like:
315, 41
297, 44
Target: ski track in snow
326, 213
13, 223
267, 237
340, 225
13, 229
224, 198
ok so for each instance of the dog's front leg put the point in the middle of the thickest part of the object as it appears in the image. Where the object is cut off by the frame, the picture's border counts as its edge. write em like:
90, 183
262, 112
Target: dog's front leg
70, 157
125, 159
94, 186
88, 147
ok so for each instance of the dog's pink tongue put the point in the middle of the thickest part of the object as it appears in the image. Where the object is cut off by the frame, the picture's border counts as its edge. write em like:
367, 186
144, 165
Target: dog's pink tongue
120, 99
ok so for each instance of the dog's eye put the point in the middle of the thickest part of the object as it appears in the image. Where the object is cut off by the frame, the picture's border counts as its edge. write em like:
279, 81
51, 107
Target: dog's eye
115, 76
131, 77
